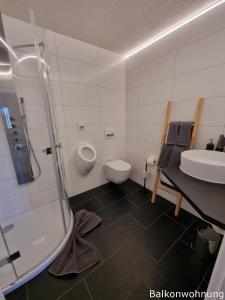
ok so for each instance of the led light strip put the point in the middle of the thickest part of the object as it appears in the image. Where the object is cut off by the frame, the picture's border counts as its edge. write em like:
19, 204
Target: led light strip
174, 28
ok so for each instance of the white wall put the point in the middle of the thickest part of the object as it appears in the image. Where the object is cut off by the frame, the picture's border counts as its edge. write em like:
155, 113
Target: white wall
89, 85
182, 67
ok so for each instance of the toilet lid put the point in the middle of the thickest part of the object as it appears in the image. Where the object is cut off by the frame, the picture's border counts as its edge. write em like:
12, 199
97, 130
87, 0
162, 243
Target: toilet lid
119, 165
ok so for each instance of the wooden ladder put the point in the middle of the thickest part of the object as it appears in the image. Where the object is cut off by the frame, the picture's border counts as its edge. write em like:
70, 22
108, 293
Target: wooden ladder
157, 185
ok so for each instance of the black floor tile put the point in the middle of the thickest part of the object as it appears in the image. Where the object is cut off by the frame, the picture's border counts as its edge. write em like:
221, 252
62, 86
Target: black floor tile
191, 233
141, 292
115, 279
112, 197
19, 294
92, 205
179, 270
86, 195
184, 218
113, 237
147, 213
201, 289
131, 185
160, 236
139, 197
49, 287
79, 292
115, 211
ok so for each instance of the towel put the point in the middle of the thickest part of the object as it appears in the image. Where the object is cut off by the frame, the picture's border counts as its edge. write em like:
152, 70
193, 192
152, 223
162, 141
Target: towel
184, 136
175, 156
165, 156
173, 133
78, 254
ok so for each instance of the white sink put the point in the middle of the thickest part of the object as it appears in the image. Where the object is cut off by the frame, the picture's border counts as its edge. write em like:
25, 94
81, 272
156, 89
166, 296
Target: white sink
205, 165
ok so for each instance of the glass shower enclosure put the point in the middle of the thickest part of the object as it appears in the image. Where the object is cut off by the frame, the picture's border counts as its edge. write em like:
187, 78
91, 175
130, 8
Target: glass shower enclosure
35, 219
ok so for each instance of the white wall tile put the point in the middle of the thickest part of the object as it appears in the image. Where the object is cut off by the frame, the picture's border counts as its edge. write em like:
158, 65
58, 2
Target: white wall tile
10, 190
132, 96
158, 69
156, 92
201, 54
78, 72
149, 132
112, 78
78, 94
108, 59
153, 113
44, 197
76, 50
204, 83
56, 92
112, 114
54, 69
29, 89
50, 42
88, 114
112, 97
132, 114
132, 78
6, 168
14, 207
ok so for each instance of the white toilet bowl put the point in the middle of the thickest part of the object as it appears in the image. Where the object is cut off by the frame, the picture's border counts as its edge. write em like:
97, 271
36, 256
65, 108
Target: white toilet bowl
117, 171
85, 157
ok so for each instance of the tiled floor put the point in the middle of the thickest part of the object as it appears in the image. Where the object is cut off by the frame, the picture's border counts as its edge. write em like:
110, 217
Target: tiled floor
140, 246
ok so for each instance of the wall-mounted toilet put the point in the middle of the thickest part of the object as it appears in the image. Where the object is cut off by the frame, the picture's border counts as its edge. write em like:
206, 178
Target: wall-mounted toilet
117, 171
85, 157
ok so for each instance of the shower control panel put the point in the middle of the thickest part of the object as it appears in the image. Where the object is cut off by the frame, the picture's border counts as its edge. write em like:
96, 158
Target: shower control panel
16, 136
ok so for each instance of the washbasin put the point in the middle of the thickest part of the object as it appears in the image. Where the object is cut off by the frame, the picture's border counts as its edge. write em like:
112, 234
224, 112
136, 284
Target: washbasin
204, 164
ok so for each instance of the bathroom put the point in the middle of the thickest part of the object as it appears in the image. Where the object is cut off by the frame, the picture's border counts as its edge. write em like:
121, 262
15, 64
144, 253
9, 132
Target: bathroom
87, 93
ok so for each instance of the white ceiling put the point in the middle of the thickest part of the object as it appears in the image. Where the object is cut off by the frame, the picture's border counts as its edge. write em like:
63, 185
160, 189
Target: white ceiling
117, 25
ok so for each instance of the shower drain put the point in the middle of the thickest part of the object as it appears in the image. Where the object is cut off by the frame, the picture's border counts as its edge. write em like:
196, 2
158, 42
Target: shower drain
8, 228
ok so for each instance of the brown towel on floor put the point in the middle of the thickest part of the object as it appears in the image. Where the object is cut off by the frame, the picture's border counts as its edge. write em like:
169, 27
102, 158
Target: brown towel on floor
78, 254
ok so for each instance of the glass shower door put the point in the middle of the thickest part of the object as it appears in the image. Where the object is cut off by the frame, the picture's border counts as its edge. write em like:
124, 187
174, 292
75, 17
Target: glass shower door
34, 212
8, 272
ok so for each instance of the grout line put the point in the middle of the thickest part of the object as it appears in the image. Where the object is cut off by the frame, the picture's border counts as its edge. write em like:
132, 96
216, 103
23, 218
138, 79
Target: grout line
170, 248
175, 221
88, 290
143, 227
146, 252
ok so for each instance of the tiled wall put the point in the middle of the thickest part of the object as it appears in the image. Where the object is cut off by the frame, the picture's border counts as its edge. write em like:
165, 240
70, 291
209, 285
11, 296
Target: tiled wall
89, 86
14, 198
183, 67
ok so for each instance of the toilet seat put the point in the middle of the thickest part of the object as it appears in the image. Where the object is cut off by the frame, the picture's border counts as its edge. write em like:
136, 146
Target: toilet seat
118, 165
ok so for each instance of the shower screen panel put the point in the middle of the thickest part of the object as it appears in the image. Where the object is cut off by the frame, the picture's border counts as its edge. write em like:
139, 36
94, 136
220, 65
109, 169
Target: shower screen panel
34, 216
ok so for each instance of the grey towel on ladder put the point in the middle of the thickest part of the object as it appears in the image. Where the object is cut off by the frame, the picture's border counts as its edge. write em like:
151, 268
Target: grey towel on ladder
172, 133
184, 136
78, 254
165, 155
175, 156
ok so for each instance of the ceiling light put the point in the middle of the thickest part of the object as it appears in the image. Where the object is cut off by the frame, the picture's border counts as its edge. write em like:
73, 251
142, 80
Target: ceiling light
8, 47
174, 28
